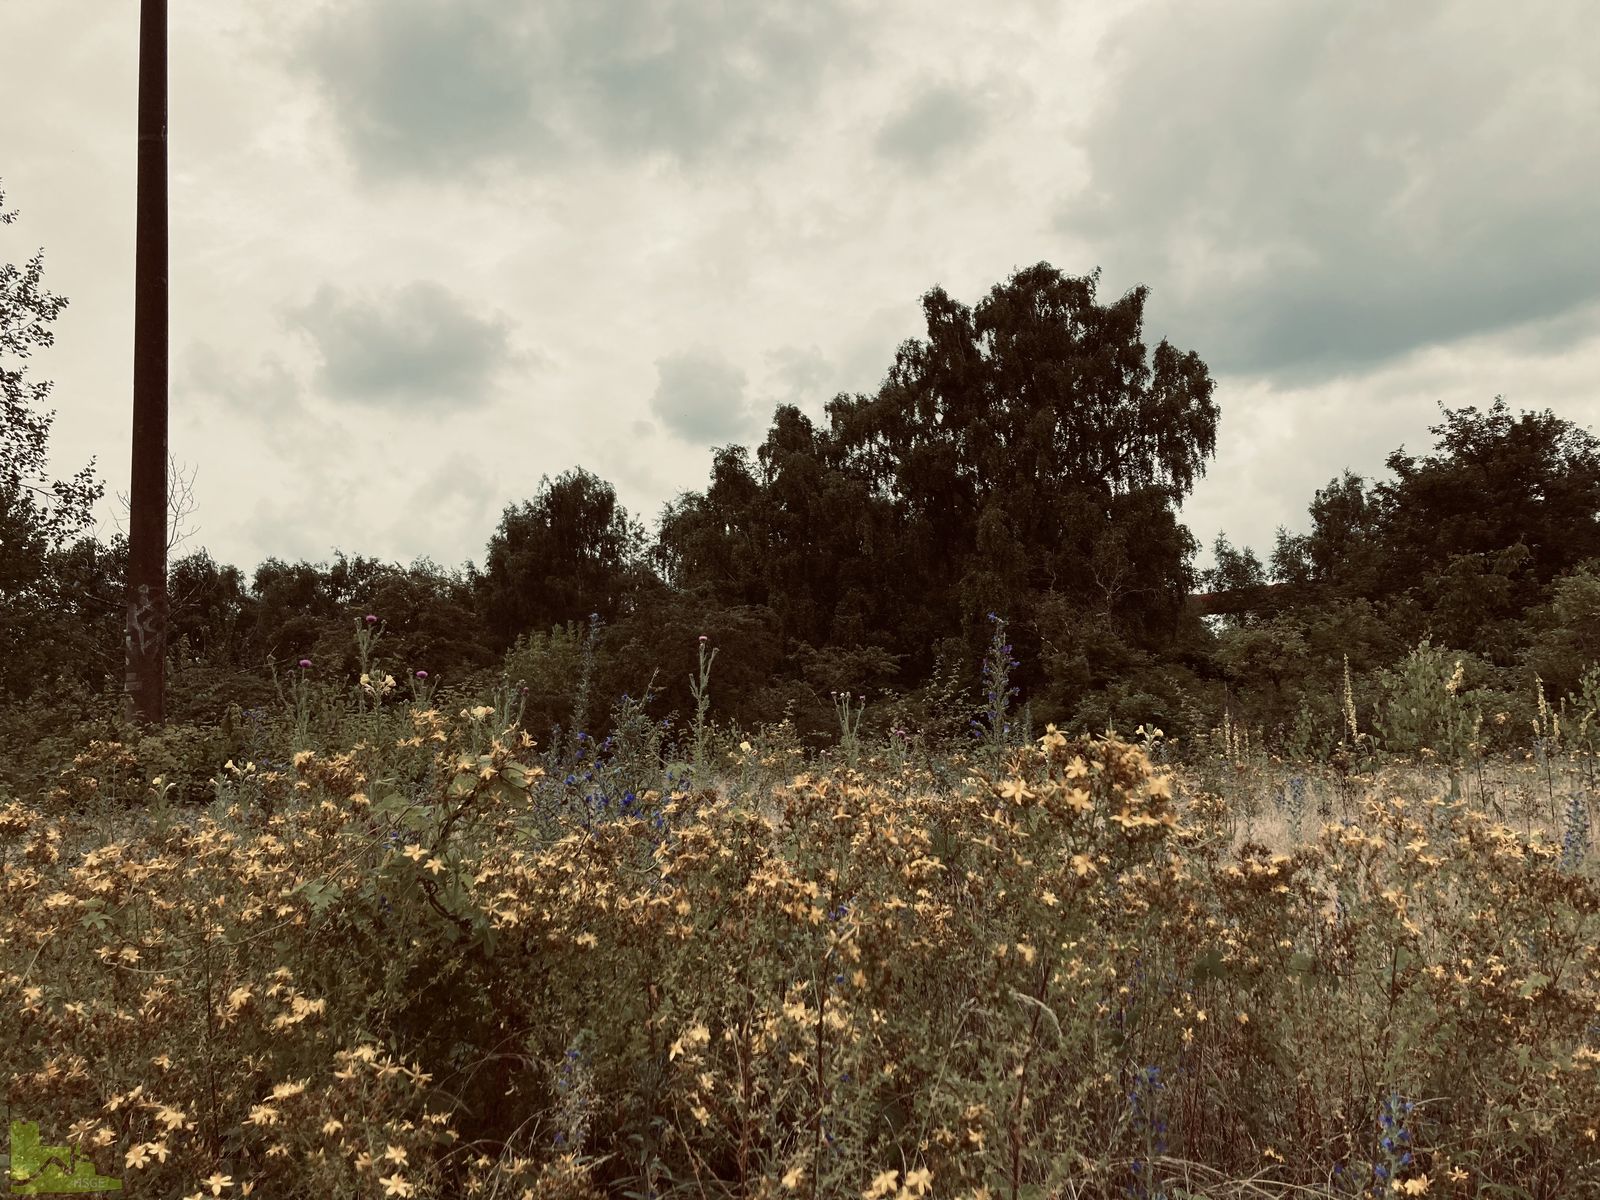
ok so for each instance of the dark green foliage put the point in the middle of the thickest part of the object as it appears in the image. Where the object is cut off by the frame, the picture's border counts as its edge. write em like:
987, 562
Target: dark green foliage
1343, 548
570, 551
1022, 462
1480, 546
1494, 482
1031, 445
39, 516
1566, 630
1029, 448
661, 638
208, 609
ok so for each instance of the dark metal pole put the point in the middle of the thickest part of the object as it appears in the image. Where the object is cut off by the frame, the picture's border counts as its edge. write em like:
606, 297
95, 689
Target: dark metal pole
145, 683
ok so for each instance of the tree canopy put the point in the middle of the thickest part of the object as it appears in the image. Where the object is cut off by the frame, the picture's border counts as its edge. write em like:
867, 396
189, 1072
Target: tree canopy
569, 551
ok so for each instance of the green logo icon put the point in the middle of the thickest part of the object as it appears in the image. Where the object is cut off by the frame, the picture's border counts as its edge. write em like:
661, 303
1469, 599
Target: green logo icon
40, 1170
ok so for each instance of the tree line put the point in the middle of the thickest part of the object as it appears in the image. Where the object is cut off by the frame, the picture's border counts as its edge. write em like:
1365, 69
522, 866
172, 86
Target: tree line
1023, 463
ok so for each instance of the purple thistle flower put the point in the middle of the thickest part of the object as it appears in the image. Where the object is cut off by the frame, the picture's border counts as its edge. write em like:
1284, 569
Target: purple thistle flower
305, 663
422, 674
371, 620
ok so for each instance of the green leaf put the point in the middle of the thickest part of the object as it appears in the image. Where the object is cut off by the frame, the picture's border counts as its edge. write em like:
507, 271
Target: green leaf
1211, 965
320, 894
1533, 985
94, 916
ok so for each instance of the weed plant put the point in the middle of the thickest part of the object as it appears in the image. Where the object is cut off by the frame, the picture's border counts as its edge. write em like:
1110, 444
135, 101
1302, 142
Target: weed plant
405, 951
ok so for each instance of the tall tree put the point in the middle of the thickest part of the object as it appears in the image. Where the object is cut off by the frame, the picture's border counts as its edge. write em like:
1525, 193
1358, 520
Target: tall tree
570, 551
715, 541
1495, 480
1035, 444
38, 515
1237, 570
1344, 548
829, 541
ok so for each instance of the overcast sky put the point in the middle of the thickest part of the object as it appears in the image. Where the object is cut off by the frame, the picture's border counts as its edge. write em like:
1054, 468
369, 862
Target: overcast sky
426, 251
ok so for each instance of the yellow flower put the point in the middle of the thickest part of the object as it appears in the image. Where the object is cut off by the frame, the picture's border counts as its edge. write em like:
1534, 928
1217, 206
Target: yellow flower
396, 1185
1015, 789
217, 1182
1415, 1187
794, 1177
173, 1118
882, 1185
919, 1180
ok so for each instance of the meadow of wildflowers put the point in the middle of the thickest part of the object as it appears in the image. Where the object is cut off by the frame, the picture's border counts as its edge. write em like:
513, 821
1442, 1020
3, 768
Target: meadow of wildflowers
406, 951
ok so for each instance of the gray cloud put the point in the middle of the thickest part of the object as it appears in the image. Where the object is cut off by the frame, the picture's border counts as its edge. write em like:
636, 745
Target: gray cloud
1308, 202
420, 88
803, 374
418, 345
700, 397
939, 120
